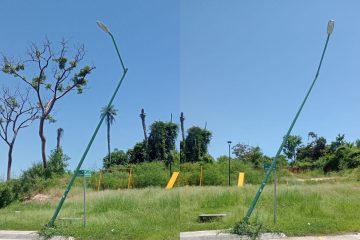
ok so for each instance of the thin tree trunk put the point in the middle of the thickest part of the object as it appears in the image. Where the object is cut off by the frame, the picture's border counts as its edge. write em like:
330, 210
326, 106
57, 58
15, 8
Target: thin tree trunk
108, 138
182, 119
58, 141
43, 142
142, 116
11, 146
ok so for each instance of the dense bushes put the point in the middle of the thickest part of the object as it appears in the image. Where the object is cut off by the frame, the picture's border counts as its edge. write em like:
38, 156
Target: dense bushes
336, 156
7, 193
34, 180
143, 175
157, 174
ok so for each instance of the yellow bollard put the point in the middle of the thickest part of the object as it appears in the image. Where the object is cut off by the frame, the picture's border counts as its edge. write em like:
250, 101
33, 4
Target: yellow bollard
241, 179
172, 180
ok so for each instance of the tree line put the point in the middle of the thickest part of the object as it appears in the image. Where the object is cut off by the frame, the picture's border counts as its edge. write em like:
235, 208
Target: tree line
160, 144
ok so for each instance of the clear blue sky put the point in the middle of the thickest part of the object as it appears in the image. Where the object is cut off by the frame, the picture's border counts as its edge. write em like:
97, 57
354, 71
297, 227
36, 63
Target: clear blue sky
246, 66
147, 33
241, 66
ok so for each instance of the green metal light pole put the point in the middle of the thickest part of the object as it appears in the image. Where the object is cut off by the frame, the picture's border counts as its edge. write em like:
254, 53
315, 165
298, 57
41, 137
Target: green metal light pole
229, 142
62, 200
330, 28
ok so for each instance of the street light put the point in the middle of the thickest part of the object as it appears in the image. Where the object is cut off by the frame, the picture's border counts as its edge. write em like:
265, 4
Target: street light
330, 28
106, 30
229, 142
103, 27
72, 180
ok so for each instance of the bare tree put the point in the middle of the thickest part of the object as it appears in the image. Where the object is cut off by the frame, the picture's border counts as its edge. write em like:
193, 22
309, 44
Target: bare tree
16, 113
55, 76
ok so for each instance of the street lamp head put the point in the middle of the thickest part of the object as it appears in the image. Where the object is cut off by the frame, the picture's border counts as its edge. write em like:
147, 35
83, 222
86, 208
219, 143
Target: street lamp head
229, 142
330, 26
103, 26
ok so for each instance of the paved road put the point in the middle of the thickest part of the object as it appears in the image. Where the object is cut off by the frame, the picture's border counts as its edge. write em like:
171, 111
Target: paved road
217, 235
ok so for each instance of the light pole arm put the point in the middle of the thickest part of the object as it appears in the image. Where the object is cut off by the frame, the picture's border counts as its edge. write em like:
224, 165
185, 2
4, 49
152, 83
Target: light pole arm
118, 52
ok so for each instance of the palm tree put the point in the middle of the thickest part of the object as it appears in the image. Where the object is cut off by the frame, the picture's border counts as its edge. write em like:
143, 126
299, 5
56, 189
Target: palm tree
60, 134
110, 114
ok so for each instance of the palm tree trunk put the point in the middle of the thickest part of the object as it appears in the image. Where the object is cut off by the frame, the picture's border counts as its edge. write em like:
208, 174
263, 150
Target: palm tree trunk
142, 116
108, 137
58, 138
182, 119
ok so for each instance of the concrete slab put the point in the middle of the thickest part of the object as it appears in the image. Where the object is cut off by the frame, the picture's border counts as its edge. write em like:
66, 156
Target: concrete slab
26, 235
222, 235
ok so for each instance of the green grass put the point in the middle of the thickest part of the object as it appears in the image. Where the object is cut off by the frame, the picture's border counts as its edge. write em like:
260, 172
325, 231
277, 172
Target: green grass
151, 213
304, 209
155, 213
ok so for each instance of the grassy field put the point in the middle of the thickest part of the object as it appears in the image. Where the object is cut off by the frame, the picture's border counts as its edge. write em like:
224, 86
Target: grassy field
155, 213
303, 209
150, 213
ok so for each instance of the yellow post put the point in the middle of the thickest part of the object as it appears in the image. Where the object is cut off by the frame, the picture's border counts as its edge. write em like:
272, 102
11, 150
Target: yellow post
130, 178
201, 175
241, 179
172, 180
99, 183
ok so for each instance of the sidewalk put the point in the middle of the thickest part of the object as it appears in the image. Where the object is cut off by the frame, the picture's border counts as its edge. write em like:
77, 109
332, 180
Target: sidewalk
218, 235
25, 235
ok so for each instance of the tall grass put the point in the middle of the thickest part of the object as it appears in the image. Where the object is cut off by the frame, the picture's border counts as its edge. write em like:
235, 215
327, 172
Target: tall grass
303, 209
150, 213
157, 174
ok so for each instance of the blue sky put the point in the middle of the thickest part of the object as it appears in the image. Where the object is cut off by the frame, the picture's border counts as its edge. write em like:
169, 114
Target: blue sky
246, 66
241, 66
147, 33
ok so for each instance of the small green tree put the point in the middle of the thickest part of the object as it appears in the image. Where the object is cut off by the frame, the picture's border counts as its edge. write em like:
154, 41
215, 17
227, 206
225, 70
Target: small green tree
117, 157
138, 154
291, 146
162, 140
197, 141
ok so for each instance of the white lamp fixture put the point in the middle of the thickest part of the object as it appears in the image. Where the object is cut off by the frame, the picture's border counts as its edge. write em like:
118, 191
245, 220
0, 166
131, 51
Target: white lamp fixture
330, 26
103, 26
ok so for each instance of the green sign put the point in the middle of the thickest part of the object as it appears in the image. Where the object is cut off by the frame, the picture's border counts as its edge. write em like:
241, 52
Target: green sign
87, 173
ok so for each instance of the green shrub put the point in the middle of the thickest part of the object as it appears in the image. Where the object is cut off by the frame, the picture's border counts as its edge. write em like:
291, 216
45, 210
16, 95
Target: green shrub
143, 175
118, 157
249, 229
7, 194
34, 180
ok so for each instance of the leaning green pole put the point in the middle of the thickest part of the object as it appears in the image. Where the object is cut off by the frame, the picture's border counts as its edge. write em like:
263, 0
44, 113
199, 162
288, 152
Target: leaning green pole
273, 164
67, 190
